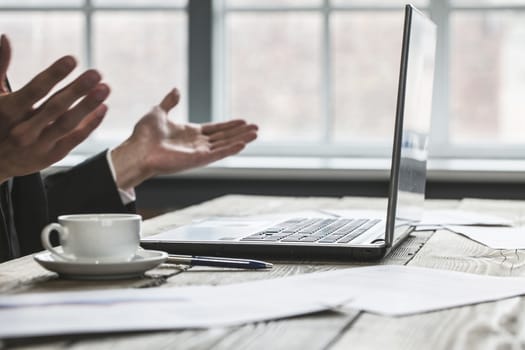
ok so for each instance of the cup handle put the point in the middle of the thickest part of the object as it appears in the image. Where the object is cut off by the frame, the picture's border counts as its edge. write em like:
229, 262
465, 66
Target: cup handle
45, 239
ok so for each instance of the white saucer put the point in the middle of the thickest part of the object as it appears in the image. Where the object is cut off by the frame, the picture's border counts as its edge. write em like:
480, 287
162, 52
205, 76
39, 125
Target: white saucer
143, 261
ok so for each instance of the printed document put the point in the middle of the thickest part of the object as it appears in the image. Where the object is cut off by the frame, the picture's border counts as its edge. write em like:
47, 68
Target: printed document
434, 218
493, 237
386, 290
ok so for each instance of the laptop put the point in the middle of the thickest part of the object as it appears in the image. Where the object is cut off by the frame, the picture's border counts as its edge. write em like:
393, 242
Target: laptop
340, 238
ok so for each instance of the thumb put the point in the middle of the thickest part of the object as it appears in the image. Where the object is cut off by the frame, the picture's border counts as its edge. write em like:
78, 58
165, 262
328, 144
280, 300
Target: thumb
5, 58
170, 100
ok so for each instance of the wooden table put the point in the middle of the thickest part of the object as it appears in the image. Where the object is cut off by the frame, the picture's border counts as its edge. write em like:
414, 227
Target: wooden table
486, 326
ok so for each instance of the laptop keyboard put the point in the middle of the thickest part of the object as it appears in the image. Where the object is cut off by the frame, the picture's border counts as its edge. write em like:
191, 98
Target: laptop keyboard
314, 230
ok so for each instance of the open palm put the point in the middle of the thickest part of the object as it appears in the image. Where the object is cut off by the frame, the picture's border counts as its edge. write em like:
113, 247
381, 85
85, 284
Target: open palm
159, 145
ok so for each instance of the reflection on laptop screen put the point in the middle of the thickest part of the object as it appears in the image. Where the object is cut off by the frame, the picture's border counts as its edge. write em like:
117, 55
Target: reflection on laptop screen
416, 106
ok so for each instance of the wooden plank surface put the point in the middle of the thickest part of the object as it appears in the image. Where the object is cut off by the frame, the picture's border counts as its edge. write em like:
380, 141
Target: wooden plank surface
494, 325
317, 331
486, 326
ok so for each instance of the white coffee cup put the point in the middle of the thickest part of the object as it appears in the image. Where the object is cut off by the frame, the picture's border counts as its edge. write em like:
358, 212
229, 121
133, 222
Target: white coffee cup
95, 238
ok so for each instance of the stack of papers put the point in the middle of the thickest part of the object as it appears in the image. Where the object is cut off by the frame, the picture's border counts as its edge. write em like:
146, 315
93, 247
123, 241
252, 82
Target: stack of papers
491, 231
438, 218
434, 218
493, 237
386, 290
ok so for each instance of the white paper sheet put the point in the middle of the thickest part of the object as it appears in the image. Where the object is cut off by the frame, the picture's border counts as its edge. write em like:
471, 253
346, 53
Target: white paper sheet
159, 308
493, 237
435, 218
440, 217
388, 290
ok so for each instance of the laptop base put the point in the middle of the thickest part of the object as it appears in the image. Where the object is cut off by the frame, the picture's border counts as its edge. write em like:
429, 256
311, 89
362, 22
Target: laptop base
277, 251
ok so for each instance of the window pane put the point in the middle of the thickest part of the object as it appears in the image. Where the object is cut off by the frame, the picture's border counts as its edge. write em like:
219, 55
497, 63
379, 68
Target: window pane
481, 3
487, 70
148, 3
373, 3
274, 67
142, 56
43, 3
38, 39
272, 3
366, 56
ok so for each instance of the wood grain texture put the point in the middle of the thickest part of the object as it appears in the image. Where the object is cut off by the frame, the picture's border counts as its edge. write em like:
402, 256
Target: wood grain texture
314, 332
485, 326
495, 325
450, 251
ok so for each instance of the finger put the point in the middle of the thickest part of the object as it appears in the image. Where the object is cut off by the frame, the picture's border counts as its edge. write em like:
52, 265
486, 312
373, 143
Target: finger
40, 85
210, 128
242, 138
100, 112
59, 103
5, 58
223, 152
73, 139
232, 132
170, 100
92, 103
81, 84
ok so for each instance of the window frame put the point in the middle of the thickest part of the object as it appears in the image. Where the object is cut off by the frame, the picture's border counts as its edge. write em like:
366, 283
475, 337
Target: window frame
208, 72
441, 147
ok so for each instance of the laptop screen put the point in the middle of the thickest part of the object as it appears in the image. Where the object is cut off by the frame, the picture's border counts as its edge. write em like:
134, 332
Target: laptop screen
414, 106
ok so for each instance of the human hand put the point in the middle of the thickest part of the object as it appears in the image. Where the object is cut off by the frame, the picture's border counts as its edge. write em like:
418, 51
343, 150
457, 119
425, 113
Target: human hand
32, 138
159, 146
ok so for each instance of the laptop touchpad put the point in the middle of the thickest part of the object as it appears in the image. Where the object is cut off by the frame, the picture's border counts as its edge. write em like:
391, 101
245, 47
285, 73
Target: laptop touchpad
214, 229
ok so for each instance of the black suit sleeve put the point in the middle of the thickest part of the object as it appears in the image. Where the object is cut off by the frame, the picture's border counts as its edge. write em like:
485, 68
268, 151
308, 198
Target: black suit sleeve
86, 188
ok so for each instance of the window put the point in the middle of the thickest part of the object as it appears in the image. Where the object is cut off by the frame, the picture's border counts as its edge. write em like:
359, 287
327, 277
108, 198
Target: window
315, 75
319, 76
139, 46
487, 75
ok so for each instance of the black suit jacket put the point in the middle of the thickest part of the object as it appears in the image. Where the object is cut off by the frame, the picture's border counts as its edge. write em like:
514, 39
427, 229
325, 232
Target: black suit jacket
34, 202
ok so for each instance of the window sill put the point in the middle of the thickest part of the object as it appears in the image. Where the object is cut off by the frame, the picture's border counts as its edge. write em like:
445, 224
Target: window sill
315, 168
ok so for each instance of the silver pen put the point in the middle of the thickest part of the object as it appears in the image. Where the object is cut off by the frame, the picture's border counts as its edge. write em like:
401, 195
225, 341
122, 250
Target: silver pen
219, 262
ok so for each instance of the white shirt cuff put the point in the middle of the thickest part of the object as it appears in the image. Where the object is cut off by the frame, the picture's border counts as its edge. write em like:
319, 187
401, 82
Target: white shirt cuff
125, 196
